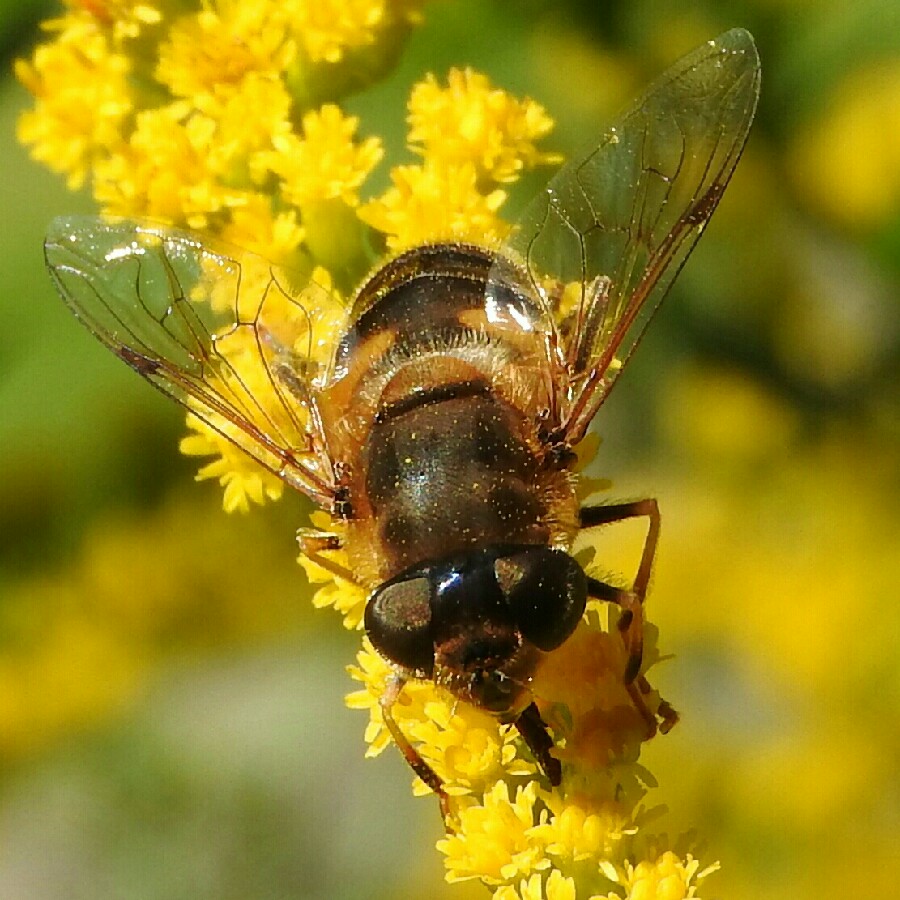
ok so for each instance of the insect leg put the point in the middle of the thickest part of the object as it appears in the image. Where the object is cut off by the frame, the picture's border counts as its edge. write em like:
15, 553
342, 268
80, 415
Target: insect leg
313, 543
534, 732
631, 623
631, 608
391, 693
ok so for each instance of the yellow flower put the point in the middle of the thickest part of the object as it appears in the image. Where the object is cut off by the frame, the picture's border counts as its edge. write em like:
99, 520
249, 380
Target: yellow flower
343, 595
435, 202
581, 829
666, 878
243, 480
124, 18
305, 323
373, 672
554, 887
324, 163
327, 27
465, 746
495, 840
207, 55
471, 136
275, 236
470, 121
216, 118
82, 100
162, 172
243, 125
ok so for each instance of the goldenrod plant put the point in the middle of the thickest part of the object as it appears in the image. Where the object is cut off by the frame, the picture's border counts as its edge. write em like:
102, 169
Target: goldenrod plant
234, 119
227, 118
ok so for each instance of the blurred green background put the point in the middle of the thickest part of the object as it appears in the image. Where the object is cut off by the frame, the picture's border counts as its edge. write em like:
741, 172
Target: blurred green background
171, 715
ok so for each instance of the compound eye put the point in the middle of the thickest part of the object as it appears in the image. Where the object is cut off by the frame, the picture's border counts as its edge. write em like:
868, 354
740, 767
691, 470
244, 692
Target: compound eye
398, 622
546, 591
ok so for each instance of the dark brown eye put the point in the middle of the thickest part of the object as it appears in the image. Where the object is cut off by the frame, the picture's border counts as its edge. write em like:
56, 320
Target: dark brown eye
546, 591
398, 622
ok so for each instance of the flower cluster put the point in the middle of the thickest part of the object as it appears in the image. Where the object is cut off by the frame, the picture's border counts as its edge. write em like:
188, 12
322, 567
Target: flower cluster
512, 831
471, 137
226, 117
223, 117
80, 645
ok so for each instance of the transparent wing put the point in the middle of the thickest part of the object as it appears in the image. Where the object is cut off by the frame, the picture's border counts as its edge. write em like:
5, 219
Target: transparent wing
606, 239
224, 333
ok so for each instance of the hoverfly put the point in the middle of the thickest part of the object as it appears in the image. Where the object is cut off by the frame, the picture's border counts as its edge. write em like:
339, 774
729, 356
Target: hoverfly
438, 423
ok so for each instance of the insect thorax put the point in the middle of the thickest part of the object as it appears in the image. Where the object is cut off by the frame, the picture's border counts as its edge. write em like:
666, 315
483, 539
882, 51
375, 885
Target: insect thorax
442, 379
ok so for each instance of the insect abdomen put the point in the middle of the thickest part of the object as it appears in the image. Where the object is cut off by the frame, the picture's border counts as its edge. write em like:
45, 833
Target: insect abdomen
449, 470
